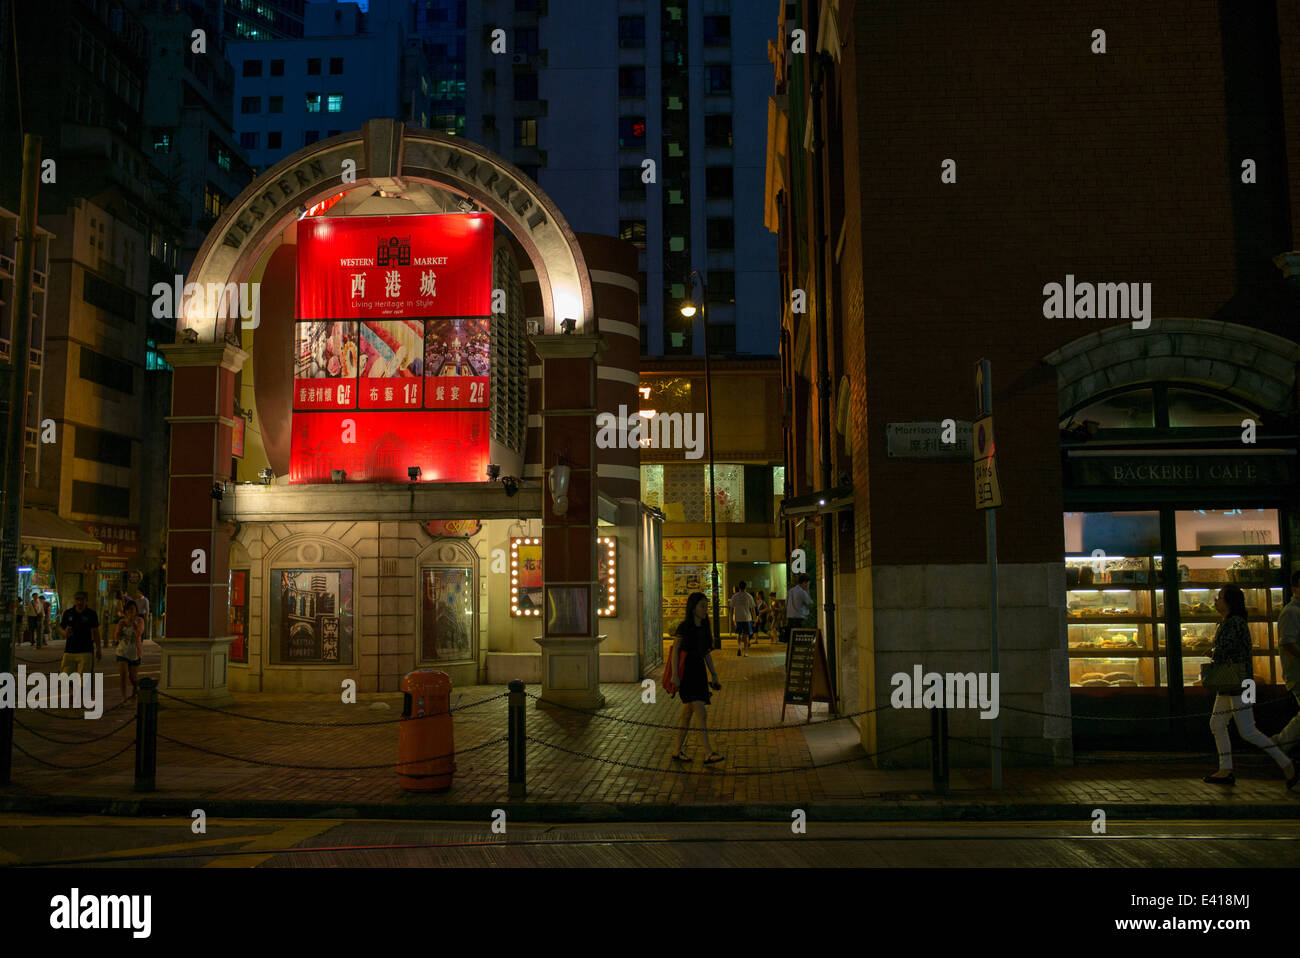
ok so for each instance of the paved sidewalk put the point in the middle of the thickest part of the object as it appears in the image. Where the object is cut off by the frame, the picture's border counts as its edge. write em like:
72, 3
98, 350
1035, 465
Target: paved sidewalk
233, 765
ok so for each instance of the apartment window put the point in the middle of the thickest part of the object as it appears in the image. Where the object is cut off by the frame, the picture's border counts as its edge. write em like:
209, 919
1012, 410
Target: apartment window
213, 201
250, 104
273, 140
248, 140
107, 296
630, 187
525, 86
97, 499
102, 370
526, 132
336, 66
162, 142
313, 102
631, 32
97, 445
334, 103
721, 232
717, 129
717, 182
631, 132
721, 287
717, 78
526, 41
277, 68
252, 68
633, 231
275, 104
313, 66
311, 136
717, 31
631, 81
722, 338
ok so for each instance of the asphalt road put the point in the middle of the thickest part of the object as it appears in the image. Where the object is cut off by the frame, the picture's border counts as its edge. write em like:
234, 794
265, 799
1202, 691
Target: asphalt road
88, 842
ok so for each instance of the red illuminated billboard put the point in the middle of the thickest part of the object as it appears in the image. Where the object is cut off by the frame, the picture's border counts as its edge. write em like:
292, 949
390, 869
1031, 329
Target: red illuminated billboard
456, 368
392, 364
448, 446
376, 267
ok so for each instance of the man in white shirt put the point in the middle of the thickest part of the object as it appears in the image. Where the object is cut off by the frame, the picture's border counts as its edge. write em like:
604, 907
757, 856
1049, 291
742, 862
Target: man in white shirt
1288, 637
798, 604
35, 618
742, 613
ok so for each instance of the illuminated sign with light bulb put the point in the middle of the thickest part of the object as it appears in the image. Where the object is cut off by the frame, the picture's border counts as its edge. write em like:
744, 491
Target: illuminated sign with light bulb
526, 576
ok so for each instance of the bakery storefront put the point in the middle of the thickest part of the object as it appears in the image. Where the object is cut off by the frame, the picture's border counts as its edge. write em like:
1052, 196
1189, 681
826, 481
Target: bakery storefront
394, 472
1165, 505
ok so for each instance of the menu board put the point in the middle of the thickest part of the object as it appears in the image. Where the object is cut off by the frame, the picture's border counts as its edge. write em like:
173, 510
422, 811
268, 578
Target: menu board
807, 672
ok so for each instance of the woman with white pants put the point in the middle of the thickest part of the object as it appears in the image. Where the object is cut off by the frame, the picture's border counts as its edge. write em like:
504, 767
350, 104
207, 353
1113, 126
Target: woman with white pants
1231, 645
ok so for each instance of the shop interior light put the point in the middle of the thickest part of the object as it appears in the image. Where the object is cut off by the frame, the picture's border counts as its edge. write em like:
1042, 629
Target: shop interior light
1226, 555
24, 568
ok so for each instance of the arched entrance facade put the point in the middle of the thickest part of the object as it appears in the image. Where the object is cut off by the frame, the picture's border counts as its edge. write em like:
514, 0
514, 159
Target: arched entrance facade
295, 581
1178, 451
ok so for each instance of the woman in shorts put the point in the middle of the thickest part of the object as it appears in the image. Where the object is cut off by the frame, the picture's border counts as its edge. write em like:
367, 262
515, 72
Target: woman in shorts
126, 639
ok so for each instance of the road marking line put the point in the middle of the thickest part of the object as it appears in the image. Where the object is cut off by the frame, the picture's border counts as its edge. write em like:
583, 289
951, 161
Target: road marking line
274, 843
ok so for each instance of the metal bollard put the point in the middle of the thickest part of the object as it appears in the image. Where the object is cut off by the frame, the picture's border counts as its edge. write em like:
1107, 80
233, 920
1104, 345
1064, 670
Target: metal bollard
146, 735
515, 747
939, 749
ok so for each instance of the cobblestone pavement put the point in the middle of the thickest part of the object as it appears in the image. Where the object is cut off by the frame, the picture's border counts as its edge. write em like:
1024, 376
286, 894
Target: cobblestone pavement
344, 754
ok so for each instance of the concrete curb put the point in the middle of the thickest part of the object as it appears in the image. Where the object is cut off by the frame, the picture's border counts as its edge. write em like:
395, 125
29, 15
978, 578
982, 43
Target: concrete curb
888, 810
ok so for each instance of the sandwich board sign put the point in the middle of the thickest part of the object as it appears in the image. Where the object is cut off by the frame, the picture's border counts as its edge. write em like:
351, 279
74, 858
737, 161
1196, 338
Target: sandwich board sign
807, 673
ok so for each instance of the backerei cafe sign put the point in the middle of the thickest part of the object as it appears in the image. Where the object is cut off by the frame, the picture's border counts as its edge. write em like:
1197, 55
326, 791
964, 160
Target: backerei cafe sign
392, 348
1227, 470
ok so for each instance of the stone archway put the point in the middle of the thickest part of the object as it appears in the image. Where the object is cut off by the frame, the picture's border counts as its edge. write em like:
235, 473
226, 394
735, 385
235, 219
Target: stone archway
387, 155
1250, 364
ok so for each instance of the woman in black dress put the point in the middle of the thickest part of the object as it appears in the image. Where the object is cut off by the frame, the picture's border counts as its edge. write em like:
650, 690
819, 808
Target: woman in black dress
694, 638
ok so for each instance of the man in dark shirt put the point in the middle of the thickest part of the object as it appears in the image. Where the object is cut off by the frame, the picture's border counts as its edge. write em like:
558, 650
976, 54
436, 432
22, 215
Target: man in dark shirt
80, 628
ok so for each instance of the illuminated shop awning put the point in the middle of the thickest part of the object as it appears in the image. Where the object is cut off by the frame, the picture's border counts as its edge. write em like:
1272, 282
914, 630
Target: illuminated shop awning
43, 528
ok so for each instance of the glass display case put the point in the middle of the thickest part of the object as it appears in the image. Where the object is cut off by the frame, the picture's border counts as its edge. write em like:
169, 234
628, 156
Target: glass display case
1111, 621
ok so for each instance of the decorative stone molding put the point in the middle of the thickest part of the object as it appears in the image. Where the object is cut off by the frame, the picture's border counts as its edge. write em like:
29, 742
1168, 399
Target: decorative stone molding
1252, 365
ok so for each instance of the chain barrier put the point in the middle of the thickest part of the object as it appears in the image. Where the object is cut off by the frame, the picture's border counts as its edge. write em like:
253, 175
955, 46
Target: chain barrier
329, 768
82, 741
659, 725
74, 768
275, 721
51, 713
686, 771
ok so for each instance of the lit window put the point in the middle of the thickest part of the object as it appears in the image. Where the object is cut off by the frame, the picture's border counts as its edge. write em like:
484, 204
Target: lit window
334, 104
313, 102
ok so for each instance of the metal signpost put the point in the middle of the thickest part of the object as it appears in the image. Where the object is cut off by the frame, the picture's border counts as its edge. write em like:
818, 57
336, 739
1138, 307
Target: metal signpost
988, 497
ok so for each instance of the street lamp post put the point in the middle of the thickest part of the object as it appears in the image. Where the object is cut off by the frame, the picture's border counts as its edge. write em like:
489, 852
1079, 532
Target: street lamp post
688, 310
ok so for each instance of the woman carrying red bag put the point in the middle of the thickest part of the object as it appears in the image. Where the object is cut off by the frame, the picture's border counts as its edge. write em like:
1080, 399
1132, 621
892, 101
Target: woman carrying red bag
694, 639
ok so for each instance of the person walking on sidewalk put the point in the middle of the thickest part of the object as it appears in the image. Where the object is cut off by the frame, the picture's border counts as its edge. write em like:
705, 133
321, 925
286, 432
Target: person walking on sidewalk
798, 605
742, 611
127, 644
80, 630
35, 609
694, 639
1232, 645
1288, 636
763, 613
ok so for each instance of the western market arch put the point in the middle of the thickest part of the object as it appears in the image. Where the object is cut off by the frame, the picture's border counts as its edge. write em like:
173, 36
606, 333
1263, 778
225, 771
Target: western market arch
377, 533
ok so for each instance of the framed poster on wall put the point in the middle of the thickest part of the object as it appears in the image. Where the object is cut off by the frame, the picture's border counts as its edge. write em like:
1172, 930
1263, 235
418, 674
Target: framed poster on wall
312, 618
239, 614
447, 600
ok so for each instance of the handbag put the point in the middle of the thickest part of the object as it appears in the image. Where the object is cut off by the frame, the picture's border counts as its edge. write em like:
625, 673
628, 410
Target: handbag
669, 685
1224, 678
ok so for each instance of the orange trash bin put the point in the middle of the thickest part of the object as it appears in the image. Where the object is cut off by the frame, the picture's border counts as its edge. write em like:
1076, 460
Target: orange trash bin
425, 744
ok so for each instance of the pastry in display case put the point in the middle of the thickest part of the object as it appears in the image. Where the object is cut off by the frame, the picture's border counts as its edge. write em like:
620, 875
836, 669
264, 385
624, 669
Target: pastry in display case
1110, 673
